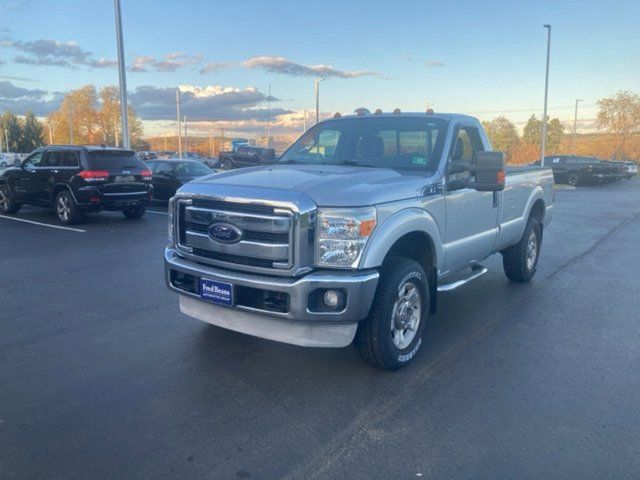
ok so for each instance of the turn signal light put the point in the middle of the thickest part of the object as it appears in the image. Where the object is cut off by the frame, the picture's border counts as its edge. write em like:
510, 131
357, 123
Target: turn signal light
94, 175
501, 177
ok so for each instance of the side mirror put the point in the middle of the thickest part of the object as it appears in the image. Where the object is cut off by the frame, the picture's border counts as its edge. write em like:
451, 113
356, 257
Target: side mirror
489, 171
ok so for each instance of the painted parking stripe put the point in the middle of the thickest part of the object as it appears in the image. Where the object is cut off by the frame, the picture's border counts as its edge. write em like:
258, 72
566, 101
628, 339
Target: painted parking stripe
60, 227
159, 213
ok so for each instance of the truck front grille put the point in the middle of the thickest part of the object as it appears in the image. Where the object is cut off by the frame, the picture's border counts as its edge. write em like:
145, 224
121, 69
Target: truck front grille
267, 240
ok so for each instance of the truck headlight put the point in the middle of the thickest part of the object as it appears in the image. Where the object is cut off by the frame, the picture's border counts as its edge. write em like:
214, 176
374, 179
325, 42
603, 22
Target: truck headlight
342, 234
170, 213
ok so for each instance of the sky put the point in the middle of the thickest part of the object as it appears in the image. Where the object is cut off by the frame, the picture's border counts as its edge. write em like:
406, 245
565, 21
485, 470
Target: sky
481, 58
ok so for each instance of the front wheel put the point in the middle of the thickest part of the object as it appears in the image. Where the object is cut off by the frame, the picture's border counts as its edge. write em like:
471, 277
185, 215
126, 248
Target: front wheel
135, 212
7, 203
573, 179
227, 164
392, 333
521, 260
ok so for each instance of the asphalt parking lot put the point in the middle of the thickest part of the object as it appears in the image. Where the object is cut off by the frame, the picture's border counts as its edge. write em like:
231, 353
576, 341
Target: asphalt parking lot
102, 377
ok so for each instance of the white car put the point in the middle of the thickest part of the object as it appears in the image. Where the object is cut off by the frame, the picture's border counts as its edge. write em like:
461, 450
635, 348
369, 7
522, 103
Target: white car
632, 169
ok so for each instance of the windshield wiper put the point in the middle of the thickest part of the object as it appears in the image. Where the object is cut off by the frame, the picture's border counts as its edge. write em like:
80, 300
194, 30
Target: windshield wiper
356, 164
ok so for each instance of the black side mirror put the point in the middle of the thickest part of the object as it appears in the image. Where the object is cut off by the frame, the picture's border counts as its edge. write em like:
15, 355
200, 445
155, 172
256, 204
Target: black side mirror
488, 168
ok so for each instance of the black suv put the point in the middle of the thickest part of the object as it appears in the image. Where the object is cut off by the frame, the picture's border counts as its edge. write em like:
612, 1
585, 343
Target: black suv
75, 180
575, 169
246, 157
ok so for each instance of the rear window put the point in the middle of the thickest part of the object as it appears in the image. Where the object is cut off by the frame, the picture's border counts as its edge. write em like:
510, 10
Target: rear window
105, 159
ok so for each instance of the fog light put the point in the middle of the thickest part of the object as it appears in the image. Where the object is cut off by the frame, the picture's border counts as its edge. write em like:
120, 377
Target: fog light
332, 298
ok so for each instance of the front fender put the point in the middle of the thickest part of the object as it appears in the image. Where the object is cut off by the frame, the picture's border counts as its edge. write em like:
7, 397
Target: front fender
396, 226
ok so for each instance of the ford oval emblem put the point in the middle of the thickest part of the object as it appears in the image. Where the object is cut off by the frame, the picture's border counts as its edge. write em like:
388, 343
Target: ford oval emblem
224, 232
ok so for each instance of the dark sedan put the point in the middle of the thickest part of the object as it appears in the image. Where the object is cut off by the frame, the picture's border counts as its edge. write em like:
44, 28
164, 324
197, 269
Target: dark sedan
167, 176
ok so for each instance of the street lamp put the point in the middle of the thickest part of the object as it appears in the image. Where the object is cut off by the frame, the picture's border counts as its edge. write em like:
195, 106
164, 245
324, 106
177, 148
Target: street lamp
179, 126
123, 78
546, 94
317, 89
575, 127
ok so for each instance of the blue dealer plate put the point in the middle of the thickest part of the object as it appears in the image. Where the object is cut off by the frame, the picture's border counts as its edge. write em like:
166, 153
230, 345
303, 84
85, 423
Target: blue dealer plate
216, 292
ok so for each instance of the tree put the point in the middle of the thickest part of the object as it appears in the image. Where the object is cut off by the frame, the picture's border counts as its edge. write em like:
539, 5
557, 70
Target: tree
10, 126
502, 134
32, 133
532, 133
620, 115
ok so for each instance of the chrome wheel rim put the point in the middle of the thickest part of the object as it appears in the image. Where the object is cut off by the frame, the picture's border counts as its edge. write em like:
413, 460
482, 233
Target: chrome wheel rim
573, 181
63, 207
4, 200
406, 315
532, 250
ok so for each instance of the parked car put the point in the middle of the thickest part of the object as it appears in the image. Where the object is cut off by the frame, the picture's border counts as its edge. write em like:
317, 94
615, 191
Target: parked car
353, 233
165, 154
9, 159
246, 157
147, 155
631, 169
74, 180
209, 162
575, 170
169, 175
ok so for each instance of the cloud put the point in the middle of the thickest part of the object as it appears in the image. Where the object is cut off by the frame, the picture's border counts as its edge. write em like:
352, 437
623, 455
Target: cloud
211, 103
213, 67
55, 53
287, 67
169, 63
434, 63
20, 100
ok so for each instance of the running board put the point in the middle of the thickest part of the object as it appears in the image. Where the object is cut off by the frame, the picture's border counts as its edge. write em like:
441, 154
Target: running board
476, 272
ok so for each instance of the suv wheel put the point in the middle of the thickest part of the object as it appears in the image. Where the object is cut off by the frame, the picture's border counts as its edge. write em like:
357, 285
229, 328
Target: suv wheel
573, 179
7, 203
135, 212
392, 333
67, 210
227, 164
520, 260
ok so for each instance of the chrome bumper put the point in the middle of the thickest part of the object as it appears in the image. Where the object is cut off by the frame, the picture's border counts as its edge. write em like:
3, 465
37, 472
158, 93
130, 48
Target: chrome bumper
359, 288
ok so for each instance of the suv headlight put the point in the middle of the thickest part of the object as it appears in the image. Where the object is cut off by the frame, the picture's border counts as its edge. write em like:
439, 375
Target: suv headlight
171, 216
342, 234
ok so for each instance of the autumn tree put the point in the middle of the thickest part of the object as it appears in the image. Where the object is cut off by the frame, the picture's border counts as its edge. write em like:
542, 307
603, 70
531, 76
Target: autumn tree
32, 133
502, 134
10, 127
620, 115
532, 133
109, 118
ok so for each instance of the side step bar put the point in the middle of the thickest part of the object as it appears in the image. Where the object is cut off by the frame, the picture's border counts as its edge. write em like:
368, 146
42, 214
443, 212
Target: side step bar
477, 271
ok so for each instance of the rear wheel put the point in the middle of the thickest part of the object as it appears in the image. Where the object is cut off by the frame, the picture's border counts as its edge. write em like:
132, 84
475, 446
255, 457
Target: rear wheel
67, 210
573, 179
135, 212
227, 164
392, 333
7, 203
521, 260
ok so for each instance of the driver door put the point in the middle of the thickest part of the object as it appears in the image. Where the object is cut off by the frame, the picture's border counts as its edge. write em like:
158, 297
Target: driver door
26, 183
472, 216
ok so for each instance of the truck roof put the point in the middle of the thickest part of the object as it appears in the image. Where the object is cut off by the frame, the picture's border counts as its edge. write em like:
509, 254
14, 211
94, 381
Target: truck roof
442, 116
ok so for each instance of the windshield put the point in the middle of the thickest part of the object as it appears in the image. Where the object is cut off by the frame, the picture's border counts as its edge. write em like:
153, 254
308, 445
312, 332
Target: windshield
193, 169
385, 142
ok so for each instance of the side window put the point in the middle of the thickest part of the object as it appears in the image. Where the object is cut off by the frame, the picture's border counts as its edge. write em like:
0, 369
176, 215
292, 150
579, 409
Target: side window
164, 167
69, 159
466, 144
52, 159
326, 143
34, 160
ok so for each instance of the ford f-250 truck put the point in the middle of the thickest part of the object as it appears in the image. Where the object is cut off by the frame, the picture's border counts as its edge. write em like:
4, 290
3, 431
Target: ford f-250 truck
354, 231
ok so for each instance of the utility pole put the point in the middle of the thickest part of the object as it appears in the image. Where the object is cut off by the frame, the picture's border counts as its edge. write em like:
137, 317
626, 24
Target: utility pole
115, 131
269, 117
317, 89
50, 134
179, 126
222, 132
122, 75
165, 140
186, 135
210, 142
304, 122
575, 127
6, 140
70, 125
546, 94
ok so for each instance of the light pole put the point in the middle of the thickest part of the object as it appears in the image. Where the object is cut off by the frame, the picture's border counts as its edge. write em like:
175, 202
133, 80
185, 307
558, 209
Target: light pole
304, 122
575, 127
123, 78
186, 135
6, 140
317, 89
179, 126
269, 117
546, 94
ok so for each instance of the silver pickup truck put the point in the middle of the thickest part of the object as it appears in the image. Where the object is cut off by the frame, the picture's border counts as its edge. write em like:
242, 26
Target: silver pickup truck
354, 231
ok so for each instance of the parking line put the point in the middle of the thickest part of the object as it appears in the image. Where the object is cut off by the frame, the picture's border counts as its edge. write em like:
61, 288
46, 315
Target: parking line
43, 224
159, 213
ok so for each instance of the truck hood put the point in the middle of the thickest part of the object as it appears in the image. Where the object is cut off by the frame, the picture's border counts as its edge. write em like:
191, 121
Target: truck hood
327, 185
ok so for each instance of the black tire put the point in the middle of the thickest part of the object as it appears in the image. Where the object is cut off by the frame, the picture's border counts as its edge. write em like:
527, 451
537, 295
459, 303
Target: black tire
573, 179
67, 210
7, 204
227, 164
135, 212
374, 339
516, 260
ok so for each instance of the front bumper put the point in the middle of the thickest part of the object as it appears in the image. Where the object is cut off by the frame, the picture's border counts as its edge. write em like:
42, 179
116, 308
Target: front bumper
301, 323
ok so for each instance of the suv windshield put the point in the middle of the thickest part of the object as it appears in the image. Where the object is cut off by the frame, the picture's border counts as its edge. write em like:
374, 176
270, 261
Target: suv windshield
385, 142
